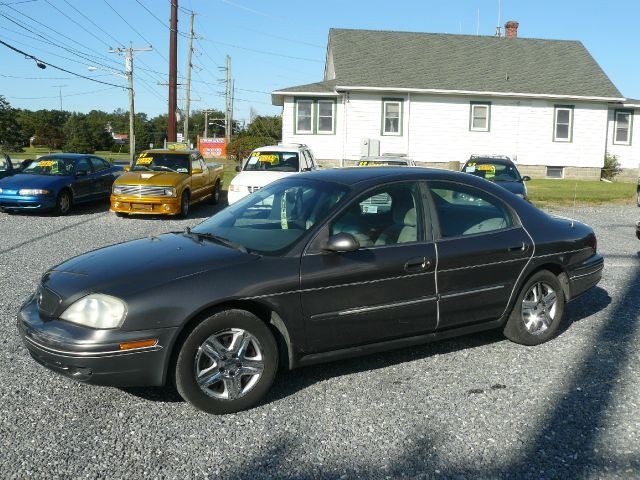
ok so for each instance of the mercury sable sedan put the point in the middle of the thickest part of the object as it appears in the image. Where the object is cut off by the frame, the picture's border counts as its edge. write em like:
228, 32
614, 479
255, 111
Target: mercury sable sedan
307, 270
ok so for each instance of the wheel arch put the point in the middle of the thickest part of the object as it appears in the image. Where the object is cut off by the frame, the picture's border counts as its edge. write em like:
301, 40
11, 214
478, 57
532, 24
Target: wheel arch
266, 314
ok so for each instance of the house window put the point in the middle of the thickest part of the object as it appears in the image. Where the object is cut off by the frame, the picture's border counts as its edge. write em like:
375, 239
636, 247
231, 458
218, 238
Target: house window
304, 116
555, 172
392, 116
622, 132
563, 123
325, 116
480, 116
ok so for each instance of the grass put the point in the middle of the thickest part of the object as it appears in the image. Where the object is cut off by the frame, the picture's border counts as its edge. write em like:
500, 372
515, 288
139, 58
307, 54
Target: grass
546, 192
33, 152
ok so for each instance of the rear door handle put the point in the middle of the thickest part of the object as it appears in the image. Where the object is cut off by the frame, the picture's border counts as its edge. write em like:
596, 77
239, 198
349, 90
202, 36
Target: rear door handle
417, 264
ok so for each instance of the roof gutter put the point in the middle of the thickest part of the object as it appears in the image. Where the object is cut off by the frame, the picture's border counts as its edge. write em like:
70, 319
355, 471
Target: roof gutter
436, 91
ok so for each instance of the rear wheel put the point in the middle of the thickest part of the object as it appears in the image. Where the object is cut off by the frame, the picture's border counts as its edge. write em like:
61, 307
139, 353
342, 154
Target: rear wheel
63, 203
184, 204
538, 310
227, 363
215, 196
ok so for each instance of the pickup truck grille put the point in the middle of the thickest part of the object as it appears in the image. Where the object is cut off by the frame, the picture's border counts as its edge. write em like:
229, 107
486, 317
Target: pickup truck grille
141, 190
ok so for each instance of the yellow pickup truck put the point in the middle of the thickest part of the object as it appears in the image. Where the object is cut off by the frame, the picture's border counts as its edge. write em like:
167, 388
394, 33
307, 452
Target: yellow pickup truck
166, 182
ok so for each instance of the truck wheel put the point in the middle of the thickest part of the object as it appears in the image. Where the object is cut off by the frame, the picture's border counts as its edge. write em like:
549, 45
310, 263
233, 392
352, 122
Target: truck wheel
215, 196
184, 205
227, 363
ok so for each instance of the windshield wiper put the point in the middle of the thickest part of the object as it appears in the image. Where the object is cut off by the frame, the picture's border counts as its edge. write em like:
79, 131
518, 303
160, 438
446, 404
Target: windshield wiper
215, 238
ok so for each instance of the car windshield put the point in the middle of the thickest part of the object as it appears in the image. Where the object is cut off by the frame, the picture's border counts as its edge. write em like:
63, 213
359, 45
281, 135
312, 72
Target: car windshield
382, 163
50, 166
273, 161
4, 164
495, 171
272, 219
158, 162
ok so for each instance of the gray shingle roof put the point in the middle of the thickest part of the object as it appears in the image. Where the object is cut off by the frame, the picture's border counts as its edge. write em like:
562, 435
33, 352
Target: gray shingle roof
467, 62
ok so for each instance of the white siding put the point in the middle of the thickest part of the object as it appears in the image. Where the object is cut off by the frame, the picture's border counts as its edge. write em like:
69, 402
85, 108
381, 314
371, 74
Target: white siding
436, 129
628, 155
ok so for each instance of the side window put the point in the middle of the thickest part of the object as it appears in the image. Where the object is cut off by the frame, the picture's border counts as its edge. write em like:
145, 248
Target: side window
83, 165
464, 210
386, 216
195, 163
98, 164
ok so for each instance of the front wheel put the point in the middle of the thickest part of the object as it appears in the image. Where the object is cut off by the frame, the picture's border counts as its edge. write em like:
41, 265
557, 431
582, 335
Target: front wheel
184, 205
63, 203
215, 195
538, 310
227, 363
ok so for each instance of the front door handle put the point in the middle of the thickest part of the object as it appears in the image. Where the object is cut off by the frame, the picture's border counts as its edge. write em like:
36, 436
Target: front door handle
417, 264
523, 247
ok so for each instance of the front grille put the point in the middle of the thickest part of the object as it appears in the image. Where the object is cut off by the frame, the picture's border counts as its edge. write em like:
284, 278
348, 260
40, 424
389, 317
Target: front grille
141, 190
48, 301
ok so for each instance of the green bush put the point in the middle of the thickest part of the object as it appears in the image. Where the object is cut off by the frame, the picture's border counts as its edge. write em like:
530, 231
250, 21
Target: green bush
611, 167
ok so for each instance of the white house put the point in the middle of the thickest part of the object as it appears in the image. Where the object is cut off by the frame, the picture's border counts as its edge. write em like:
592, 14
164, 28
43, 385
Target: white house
440, 98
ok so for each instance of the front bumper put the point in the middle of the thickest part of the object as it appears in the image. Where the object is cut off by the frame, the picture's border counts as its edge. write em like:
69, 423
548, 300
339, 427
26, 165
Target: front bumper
585, 275
32, 202
94, 356
145, 205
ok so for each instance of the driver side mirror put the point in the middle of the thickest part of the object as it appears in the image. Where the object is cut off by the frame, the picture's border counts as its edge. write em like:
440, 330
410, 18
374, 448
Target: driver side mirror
342, 242
526, 178
196, 171
126, 168
238, 168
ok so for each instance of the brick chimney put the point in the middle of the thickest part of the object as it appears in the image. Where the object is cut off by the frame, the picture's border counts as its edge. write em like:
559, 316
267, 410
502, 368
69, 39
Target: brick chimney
511, 29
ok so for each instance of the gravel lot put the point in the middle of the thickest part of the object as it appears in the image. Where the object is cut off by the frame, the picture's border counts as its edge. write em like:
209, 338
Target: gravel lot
473, 407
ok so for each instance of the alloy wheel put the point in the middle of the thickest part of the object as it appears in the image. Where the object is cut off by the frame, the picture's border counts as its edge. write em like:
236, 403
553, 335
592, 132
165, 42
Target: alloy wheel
229, 364
539, 308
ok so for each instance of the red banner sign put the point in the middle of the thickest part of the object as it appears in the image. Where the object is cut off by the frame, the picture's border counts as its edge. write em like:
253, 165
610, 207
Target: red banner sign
213, 147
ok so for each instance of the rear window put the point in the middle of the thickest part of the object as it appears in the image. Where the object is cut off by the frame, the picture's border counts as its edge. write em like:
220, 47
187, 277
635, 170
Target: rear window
495, 171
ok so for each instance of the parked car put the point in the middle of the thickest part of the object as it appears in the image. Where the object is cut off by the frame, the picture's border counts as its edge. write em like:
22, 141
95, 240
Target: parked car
266, 164
166, 182
499, 169
300, 272
6, 167
386, 161
57, 182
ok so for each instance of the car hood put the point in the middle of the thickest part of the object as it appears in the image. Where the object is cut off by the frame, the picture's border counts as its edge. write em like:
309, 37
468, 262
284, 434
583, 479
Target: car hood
258, 178
138, 265
513, 187
22, 180
161, 179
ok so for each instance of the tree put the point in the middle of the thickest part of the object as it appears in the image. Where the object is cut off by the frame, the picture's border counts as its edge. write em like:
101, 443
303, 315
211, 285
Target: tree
78, 134
11, 138
242, 145
266, 126
611, 167
44, 126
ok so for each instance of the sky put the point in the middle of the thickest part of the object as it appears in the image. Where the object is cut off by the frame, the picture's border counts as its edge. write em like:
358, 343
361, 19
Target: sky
273, 44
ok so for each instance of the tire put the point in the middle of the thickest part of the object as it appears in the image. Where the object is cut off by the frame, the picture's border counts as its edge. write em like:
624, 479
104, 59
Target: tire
63, 203
538, 310
215, 196
121, 214
184, 204
638, 197
215, 355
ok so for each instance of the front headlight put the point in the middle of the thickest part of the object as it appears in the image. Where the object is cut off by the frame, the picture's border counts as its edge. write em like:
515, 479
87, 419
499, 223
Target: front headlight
96, 311
169, 192
237, 188
31, 191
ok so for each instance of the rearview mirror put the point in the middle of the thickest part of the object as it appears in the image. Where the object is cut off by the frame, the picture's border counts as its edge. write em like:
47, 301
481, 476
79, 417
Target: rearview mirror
526, 178
342, 242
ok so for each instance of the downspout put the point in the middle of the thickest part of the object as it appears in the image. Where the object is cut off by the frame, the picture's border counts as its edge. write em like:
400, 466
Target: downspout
409, 124
345, 101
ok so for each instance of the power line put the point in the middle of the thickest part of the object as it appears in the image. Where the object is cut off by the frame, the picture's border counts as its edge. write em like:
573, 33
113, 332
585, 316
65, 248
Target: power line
95, 25
78, 24
39, 62
66, 94
263, 52
158, 19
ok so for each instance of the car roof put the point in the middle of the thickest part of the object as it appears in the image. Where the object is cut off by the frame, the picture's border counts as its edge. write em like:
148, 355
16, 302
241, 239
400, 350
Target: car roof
293, 147
170, 151
385, 158
497, 160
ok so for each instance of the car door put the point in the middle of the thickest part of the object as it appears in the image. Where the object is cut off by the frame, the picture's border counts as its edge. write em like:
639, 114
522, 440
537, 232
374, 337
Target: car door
383, 290
198, 178
84, 182
103, 177
482, 249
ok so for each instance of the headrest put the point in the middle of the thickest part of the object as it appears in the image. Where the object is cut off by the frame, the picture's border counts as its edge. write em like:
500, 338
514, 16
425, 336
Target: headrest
410, 218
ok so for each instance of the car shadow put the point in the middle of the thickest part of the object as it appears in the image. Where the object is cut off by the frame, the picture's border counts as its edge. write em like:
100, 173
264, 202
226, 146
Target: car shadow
88, 208
287, 383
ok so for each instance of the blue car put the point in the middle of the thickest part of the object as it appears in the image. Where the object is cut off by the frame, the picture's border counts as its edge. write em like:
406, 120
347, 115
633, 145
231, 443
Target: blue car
56, 182
498, 169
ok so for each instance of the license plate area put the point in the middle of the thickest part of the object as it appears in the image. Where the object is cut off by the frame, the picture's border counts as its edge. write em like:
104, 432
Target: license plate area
146, 207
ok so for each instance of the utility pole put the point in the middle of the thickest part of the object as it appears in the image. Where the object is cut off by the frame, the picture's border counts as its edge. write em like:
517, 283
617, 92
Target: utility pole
60, 87
188, 98
173, 72
229, 102
128, 61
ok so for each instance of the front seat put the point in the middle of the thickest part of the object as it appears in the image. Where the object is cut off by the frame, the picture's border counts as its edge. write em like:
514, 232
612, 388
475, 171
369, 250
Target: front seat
403, 231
